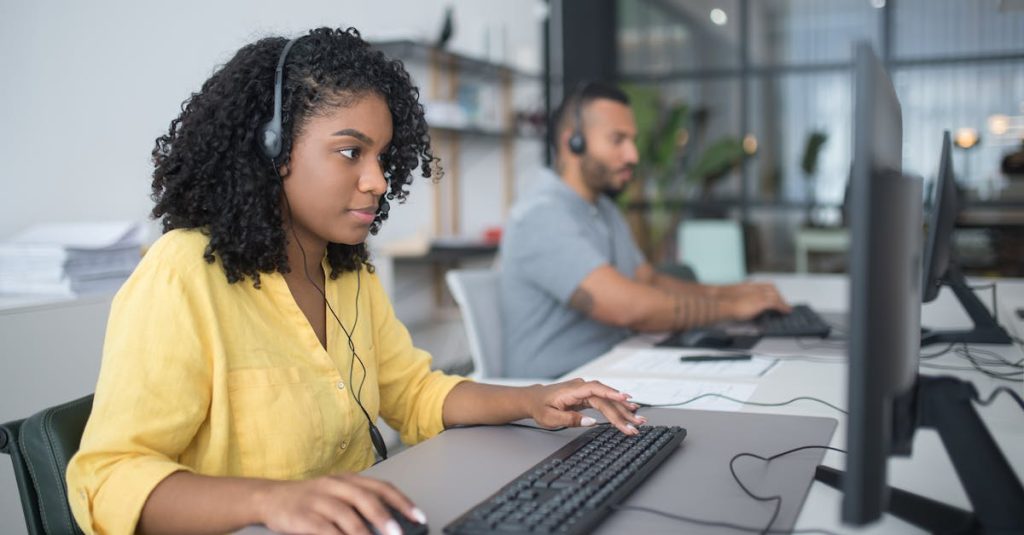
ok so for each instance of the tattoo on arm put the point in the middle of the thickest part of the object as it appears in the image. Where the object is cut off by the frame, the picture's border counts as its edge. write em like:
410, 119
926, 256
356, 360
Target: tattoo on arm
696, 311
582, 301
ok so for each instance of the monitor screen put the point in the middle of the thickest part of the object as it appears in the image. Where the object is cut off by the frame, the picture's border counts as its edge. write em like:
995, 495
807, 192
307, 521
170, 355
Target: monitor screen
885, 292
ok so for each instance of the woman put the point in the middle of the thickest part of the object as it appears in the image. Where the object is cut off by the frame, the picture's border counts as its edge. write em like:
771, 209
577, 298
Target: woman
248, 355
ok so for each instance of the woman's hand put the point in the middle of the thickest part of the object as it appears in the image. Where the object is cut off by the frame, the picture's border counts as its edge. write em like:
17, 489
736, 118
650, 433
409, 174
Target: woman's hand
556, 405
333, 504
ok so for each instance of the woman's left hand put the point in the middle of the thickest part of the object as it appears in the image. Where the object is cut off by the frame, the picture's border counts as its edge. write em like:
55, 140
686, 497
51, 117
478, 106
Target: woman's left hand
557, 405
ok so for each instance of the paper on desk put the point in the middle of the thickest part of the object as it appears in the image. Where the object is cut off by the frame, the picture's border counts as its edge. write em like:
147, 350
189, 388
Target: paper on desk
665, 361
667, 391
85, 235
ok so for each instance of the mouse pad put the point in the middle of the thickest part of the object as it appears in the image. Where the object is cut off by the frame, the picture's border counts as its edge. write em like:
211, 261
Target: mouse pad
447, 475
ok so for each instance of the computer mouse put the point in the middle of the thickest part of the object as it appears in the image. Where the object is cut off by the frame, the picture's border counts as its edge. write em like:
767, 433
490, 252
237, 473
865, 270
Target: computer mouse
706, 337
409, 527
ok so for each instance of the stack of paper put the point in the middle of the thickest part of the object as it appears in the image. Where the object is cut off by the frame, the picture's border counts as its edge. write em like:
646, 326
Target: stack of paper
69, 258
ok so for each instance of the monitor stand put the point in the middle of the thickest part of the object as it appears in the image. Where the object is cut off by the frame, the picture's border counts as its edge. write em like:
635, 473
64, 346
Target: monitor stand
945, 404
985, 331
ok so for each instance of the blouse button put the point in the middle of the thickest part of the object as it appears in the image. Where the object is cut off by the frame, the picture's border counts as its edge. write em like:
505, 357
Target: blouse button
344, 444
341, 385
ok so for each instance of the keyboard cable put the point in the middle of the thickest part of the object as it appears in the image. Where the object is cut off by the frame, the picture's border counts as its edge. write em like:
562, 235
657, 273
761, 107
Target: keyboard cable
744, 402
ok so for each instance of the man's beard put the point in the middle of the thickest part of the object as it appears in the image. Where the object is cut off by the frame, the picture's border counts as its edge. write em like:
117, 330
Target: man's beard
601, 178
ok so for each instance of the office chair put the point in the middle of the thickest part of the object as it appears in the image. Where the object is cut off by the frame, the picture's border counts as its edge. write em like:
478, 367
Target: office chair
714, 248
478, 296
40, 447
476, 293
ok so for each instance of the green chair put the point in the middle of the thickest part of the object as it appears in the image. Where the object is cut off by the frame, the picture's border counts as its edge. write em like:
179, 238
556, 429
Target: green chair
40, 447
714, 249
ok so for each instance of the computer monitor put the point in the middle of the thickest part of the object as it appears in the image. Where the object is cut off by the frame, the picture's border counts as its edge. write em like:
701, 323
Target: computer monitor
887, 399
885, 272
944, 208
941, 269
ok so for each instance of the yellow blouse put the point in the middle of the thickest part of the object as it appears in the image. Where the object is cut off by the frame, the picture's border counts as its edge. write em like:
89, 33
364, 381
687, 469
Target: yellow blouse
229, 380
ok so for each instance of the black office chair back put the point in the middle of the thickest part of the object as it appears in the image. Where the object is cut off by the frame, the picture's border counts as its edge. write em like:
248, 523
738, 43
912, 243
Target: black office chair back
40, 447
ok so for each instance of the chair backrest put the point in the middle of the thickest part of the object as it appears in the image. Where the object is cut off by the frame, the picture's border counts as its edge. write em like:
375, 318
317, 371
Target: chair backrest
478, 296
40, 447
714, 249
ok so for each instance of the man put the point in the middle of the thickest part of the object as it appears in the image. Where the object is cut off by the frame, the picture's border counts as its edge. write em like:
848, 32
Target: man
574, 282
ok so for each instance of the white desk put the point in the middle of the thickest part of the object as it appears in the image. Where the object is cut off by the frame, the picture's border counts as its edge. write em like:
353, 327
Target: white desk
928, 471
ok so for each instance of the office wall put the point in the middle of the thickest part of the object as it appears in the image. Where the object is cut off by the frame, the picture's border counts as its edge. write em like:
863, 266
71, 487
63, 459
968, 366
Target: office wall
88, 86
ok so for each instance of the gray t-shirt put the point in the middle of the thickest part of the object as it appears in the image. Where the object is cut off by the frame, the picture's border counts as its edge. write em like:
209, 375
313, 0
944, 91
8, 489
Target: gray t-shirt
553, 240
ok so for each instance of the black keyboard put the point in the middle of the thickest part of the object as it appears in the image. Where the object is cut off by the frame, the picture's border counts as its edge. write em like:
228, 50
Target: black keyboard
573, 489
801, 321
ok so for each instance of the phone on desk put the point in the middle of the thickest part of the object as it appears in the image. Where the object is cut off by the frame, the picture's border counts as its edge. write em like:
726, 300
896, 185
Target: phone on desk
714, 358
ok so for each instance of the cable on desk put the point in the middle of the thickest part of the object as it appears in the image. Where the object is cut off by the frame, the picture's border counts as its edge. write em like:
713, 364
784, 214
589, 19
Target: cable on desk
776, 498
723, 396
1014, 376
938, 354
712, 523
995, 358
947, 367
988, 401
515, 424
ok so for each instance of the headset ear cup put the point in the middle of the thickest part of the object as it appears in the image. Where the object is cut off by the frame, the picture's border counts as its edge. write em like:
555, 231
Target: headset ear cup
271, 141
270, 132
577, 144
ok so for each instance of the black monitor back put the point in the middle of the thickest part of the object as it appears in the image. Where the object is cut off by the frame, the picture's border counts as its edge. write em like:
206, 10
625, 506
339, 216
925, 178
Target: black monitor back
885, 283
938, 245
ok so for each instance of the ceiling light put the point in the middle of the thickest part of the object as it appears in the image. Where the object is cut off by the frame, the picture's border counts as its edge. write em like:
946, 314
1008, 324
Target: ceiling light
719, 17
749, 144
998, 124
966, 138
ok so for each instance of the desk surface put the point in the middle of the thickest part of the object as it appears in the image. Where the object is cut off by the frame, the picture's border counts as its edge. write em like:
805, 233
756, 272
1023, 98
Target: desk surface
928, 471
448, 474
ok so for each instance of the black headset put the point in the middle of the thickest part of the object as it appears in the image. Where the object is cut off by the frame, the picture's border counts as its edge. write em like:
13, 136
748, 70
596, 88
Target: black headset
270, 132
271, 138
271, 141
578, 143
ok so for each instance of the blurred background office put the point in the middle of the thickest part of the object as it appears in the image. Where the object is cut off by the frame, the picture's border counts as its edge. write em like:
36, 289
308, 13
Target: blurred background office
743, 108
765, 87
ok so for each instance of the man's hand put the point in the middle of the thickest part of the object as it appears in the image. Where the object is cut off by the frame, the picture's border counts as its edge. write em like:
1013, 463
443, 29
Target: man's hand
746, 300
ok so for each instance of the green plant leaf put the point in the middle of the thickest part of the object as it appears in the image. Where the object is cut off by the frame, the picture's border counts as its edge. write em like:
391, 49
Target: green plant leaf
721, 156
812, 150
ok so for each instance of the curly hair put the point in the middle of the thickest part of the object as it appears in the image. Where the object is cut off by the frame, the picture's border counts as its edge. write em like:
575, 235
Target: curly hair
211, 174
